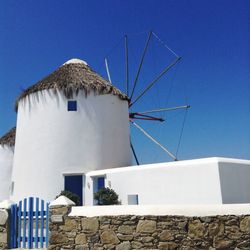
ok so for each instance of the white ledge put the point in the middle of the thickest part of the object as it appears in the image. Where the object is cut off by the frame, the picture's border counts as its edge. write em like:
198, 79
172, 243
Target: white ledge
179, 210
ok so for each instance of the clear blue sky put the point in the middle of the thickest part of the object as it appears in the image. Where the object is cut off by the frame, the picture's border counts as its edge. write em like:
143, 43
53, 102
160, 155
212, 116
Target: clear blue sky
211, 36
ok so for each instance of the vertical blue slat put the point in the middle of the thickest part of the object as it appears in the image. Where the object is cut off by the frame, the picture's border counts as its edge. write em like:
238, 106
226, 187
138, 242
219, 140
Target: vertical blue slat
24, 222
14, 226
37, 221
19, 224
30, 223
47, 225
42, 223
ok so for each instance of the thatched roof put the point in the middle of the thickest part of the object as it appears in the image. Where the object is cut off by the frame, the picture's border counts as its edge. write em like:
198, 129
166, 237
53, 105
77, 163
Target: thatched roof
71, 77
9, 138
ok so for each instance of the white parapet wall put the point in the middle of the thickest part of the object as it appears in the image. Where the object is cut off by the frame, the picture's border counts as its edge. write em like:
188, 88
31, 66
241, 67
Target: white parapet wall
161, 210
200, 181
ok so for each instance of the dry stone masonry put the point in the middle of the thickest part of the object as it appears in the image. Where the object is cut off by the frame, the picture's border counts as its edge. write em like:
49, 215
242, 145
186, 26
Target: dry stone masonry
3, 228
147, 232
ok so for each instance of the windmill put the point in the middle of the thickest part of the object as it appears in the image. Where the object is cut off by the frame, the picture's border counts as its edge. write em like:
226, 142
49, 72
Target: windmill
131, 86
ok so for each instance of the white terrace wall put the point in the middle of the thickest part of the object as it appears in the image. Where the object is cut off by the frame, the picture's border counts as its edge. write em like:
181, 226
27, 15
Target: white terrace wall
200, 181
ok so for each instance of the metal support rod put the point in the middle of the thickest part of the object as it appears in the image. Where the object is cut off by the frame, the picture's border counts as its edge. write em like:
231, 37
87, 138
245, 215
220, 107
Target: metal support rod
149, 119
150, 85
144, 117
152, 139
140, 65
165, 45
133, 150
165, 109
107, 69
126, 65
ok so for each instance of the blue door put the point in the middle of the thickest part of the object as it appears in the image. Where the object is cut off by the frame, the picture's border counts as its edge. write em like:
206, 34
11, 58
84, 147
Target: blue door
73, 183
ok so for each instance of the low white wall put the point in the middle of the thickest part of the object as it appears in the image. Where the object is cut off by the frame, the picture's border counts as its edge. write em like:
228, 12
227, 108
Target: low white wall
181, 210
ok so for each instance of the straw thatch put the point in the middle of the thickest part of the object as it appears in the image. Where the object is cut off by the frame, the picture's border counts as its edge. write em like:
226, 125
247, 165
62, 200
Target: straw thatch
72, 77
9, 138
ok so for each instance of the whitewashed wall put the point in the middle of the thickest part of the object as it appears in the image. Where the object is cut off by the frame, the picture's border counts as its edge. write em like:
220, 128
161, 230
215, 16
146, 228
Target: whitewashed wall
51, 141
6, 162
235, 182
184, 182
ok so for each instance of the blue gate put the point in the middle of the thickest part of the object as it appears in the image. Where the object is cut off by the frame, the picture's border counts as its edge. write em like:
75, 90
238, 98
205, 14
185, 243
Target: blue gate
29, 224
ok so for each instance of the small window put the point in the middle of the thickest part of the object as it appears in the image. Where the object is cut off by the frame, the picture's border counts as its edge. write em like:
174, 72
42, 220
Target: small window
100, 183
72, 106
133, 199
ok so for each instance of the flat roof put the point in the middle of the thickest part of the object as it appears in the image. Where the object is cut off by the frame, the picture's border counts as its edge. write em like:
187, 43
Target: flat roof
186, 163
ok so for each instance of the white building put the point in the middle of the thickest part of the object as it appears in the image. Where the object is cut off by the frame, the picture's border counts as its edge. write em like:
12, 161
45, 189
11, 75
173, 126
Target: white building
72, 121
7, 143
200, 181
73, 134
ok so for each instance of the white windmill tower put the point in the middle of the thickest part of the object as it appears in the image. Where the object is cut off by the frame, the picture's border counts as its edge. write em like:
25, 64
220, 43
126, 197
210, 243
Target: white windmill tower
7, 143
71, 122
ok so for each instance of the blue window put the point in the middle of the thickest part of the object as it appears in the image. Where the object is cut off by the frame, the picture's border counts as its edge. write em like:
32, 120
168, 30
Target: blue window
72, 106
100, 183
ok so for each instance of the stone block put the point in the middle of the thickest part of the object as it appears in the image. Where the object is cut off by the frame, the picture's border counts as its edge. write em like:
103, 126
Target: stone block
3, 217
196, 229
125, 229
124, 246
82, 247
216, 229
167, 246
125, 237
136, 245
245, 224
81, 239
233, 232
69, 225
57, 238
3, 238
166, 235
146, 226
244, 244
55, 218
147, 239
90, 225
109, 237
220, 243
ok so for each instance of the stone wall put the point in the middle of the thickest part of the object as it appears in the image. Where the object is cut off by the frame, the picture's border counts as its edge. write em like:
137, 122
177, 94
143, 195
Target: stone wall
147, 232
3, 228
